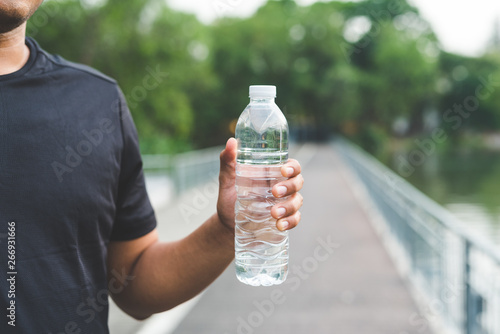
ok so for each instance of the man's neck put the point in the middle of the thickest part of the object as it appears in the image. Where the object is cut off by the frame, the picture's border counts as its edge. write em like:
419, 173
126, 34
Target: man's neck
13, 50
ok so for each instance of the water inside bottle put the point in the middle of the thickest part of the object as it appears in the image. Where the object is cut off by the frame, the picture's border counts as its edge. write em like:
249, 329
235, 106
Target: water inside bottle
261, 249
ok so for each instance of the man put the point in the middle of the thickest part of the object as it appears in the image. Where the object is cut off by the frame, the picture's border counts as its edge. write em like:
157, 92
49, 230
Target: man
75, 219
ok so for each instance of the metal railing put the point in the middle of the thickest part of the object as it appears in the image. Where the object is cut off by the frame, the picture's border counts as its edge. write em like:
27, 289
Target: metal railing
188, 169
455, 272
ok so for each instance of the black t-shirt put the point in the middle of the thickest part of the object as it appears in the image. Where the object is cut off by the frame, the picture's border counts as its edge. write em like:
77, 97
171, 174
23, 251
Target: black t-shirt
71, 181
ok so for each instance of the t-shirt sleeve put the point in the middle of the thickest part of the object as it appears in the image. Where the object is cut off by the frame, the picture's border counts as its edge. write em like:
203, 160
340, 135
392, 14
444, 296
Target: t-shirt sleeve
134, 214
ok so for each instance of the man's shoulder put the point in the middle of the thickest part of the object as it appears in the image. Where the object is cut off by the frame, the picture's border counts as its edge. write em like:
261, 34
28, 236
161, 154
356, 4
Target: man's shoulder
73, 68
84, 69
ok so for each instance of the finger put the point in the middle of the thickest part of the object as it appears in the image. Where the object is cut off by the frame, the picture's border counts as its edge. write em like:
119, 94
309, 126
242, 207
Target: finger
288, 187
227, 173
289, 207
288, 222
291, 168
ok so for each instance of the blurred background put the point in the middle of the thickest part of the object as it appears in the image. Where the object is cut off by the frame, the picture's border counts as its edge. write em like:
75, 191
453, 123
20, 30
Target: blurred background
416, 84
373, 71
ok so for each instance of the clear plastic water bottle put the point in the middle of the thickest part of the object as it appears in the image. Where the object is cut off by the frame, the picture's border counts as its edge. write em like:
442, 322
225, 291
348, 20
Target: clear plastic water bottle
261, 250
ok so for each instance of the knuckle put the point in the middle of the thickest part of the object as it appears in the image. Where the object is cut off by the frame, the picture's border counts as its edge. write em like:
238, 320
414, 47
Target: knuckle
289, 205
299, 201
298, 185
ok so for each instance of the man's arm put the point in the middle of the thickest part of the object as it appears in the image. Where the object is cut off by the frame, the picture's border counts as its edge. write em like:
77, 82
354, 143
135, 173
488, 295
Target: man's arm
167, 274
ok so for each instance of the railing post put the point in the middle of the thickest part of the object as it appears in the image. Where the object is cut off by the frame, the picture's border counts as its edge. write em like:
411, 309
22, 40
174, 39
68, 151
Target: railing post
468, 300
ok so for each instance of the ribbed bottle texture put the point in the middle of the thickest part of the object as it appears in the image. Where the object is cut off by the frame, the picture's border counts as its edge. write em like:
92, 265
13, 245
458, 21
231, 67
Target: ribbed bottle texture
261, 250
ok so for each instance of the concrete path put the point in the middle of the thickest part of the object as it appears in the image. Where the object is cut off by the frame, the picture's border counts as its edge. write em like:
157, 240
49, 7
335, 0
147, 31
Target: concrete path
341, 278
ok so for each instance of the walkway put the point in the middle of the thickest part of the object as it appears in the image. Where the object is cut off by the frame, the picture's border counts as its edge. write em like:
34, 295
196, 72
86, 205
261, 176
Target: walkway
341, 279
349, 287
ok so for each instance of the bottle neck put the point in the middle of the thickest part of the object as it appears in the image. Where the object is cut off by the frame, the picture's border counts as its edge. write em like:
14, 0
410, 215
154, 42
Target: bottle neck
255, 99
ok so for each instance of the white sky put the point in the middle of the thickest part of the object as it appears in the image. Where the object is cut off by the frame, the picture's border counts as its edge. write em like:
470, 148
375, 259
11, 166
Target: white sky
462, 26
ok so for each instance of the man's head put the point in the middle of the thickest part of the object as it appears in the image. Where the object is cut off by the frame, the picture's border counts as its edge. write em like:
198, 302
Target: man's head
13, 13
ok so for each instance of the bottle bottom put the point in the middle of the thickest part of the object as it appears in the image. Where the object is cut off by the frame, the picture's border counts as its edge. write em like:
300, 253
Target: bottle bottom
261, 275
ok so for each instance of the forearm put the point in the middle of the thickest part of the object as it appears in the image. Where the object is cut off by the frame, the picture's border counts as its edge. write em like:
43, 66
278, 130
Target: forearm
167, 274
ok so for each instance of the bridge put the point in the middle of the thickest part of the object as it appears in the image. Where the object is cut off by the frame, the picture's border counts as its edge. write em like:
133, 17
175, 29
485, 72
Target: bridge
372, 255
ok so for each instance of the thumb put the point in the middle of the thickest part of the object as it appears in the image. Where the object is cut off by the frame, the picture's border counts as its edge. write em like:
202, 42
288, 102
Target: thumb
228, 164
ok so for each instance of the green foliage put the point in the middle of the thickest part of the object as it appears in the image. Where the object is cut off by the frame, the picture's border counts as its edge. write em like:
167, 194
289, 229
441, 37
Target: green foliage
464, 80
357, 87
157, 55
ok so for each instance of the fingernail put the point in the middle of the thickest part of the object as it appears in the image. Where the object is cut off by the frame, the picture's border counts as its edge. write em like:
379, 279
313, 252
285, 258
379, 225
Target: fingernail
281, 211
281, 190
289, 171
283, 225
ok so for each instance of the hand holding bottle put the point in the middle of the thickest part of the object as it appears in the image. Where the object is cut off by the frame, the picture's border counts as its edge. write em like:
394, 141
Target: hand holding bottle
266, 200
227, 193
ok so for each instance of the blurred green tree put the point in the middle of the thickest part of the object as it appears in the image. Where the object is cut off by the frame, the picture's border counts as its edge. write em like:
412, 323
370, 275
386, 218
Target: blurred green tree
131, 41
348, 67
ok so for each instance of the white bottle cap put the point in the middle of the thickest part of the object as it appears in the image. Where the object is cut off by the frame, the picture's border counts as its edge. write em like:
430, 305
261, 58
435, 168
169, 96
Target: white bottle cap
262, 91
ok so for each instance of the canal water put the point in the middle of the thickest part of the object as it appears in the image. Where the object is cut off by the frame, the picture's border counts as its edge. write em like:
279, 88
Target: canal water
467, 183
